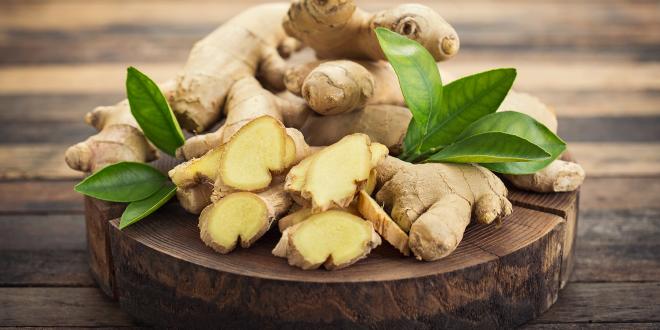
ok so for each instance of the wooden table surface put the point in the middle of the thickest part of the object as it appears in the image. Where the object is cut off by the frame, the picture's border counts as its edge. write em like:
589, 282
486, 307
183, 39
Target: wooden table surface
596, 62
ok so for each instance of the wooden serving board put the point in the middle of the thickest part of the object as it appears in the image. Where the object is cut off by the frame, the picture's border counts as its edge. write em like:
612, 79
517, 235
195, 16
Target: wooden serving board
500, 276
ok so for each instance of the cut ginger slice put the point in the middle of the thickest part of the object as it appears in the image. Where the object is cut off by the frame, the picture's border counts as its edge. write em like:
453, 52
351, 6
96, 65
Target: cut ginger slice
197, 170
241, 216
256, 150
334, 239
383, 224
337, 172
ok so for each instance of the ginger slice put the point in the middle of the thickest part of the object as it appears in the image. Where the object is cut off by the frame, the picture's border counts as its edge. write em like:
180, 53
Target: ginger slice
242, 216
256, 150
294, 218
383, 224
197, 170
331, 177
334, 239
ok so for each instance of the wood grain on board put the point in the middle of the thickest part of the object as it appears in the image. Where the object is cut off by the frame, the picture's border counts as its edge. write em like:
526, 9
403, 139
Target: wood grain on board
161, 266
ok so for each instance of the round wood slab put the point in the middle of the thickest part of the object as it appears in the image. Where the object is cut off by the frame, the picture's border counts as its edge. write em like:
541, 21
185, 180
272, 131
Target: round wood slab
500, 276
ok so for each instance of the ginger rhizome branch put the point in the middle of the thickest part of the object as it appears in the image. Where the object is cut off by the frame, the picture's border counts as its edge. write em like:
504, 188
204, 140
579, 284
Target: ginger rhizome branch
435, 202
334, 239
119, 138
245, 46
246, 101
335, 87
337, 29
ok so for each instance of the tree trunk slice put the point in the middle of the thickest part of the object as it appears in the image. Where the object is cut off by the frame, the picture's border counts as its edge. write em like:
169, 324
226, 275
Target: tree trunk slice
500, 276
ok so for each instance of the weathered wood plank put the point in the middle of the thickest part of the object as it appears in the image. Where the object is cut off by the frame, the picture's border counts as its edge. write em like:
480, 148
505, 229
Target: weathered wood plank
610, 129
620, 245
167, 42
605, 302
79, 14
532, 75
45, 268
617, 159
64, 307
620, 193
43, 250
39, 197
36, 161
42, 232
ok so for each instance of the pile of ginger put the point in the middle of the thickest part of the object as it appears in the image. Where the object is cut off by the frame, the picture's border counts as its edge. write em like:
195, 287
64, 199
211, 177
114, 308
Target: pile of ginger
312, 145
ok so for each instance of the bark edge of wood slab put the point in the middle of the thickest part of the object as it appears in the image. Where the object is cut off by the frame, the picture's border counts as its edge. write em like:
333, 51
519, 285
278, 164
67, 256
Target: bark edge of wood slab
503, 276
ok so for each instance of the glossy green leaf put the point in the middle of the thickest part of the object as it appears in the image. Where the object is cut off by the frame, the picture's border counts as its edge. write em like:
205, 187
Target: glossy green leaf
122, 182
152, 112
465, 101
526, 127
420, 83
138, 210
490, 147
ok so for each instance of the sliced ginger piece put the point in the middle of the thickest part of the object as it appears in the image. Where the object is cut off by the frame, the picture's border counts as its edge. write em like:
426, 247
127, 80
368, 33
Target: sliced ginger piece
197, 170
337, 172
383, 224
334, 239
294, 218
253, 153
241, 216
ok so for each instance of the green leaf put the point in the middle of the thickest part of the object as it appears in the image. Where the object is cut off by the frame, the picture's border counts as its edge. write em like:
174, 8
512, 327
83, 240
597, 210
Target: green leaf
151, 111
465, 101
490, 147
419, 80
137, 210
526, 127
122, 182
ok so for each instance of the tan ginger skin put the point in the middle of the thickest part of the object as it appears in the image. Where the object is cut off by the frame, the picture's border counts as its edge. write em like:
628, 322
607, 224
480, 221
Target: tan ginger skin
435, 202
245, 46
119, 138
335, 87
337, 29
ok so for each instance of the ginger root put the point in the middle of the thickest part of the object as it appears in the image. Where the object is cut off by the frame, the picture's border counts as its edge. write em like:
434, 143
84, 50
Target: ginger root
246, 101
335, 87
435, 202
334, 239
241, 216
119, 139
336, 29
245, 46
332, 176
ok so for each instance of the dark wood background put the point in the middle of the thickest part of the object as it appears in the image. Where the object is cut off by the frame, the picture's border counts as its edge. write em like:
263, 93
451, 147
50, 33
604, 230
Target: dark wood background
596, 62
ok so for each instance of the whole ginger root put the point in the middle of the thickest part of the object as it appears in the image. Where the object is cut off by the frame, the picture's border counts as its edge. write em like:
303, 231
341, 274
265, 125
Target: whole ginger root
435, 202
119, 138
250, 44
337, 29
